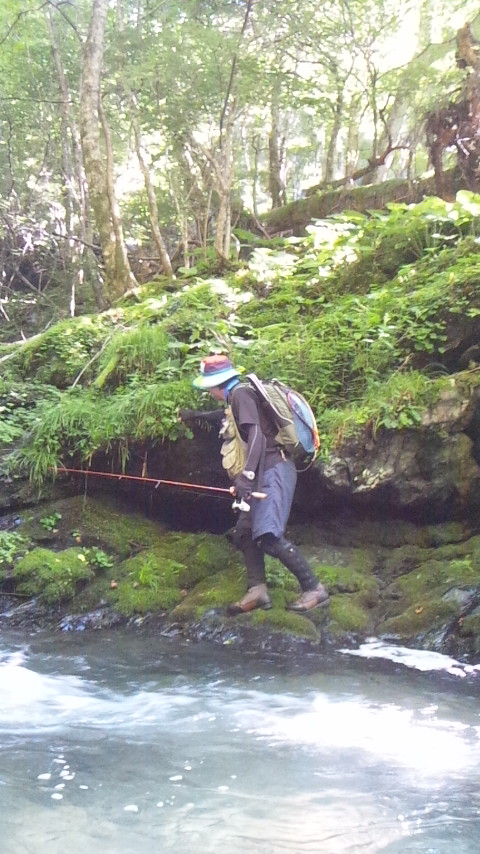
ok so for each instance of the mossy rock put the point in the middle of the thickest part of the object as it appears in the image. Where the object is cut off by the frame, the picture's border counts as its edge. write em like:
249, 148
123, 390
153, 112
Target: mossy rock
112, 526
452, 551
92, 521
157, 579
363, 561
470, 625
12, 546
286, 622
226, 587
52, 576
214, 592
347, 615
345, 579
403, 560
433, 576
416, 620
447, 532
129, 600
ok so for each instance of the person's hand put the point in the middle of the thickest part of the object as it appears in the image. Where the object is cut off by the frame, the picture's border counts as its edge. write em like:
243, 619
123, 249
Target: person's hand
243, 488
187, 414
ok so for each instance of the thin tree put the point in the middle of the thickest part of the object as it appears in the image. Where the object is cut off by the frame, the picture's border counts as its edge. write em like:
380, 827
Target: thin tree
98, 167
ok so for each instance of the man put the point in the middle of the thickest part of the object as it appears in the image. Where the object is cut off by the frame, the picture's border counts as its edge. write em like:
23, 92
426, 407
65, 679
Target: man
258, 466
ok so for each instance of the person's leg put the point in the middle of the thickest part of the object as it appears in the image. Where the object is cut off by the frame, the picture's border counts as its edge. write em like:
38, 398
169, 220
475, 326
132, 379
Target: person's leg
257, 594
269, 520
314, 593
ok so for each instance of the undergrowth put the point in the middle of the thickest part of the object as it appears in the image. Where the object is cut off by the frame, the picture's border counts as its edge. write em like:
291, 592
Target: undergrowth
358, 314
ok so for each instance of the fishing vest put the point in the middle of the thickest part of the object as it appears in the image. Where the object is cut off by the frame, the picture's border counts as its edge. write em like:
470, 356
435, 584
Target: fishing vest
234, 449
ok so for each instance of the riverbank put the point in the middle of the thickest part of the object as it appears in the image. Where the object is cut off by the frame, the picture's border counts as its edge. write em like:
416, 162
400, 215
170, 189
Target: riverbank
89, 563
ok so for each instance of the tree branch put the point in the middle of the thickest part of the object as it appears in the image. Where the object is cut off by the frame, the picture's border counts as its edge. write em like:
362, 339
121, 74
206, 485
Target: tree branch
233, 69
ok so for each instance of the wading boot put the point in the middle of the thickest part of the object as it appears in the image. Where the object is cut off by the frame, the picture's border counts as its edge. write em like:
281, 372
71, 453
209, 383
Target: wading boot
255, 597
310, 599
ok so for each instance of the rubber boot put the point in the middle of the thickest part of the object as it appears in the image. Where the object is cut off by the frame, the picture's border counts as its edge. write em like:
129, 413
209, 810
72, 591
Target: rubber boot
291, 557
314, 593
255, 597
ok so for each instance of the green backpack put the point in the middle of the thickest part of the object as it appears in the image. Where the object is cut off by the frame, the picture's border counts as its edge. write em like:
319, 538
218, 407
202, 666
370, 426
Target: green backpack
292, 415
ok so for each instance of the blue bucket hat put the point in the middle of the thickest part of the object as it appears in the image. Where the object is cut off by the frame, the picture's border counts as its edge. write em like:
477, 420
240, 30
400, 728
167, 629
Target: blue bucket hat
214, 371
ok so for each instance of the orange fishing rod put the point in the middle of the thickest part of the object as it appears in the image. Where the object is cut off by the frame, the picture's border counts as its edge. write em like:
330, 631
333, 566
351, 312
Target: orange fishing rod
158, 481
161, 482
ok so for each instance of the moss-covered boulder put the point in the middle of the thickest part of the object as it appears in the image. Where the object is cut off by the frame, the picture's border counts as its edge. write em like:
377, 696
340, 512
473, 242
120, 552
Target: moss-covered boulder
52, 576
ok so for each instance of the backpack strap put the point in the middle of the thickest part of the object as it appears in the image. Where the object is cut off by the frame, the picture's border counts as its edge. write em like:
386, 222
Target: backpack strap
257, 384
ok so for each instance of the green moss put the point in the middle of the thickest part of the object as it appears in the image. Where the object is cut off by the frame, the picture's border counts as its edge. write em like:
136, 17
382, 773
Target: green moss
403, 560
344, 579
52, 576
215, 592
437, 577
346, 614
363, 561
417, 619
145, 568
109, 524
470, 625
280, 620
448, 532
451, 552
61, 352
93, 521
128, 599
278, 577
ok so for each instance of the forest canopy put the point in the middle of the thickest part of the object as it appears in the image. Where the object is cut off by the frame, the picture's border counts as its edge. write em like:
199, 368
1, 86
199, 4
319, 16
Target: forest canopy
137, 136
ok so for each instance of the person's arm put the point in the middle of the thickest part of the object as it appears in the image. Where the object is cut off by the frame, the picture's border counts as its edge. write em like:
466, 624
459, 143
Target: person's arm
247, 416
255, 445
213, 416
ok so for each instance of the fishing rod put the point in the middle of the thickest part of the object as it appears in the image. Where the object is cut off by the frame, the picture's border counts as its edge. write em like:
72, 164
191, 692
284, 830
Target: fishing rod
156, 480
242, 505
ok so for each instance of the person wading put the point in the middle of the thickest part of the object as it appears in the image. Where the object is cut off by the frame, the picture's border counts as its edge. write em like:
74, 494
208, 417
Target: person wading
256, 464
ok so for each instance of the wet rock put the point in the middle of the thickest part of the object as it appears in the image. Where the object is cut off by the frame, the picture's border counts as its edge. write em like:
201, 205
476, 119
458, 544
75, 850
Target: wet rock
101, 618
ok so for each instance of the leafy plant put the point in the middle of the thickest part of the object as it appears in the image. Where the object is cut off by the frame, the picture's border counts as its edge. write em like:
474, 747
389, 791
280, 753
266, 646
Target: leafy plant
50, 522
11, 545
98, 559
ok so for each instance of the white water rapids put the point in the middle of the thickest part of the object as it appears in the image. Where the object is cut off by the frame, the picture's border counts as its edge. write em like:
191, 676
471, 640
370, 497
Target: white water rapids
117, 744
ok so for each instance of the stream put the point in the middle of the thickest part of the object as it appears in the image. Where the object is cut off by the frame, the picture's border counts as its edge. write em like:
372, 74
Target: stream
119, 742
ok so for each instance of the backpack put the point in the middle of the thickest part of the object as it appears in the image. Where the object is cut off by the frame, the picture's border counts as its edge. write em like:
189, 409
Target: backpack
291, 415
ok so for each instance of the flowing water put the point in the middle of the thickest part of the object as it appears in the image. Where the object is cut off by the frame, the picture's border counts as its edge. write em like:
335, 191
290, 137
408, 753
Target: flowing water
119, 743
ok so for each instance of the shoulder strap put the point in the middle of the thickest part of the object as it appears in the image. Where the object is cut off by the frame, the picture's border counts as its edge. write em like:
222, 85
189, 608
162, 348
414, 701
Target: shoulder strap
260, 389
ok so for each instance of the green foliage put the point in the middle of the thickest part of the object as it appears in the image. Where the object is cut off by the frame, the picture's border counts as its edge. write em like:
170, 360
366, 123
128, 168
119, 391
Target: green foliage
19, 406
51, 522
278, 577
98, 559
63, 351
12, 544
372, 356
141, 350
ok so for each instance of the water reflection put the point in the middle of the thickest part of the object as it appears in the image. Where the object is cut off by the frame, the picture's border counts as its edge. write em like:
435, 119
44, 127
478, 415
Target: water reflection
115, 744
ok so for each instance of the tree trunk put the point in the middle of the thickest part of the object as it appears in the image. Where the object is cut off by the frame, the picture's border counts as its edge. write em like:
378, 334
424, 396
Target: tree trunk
336, 127
76, 196
118, 275
295, 216
119, 256
223, 163
276, 185
152, 202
